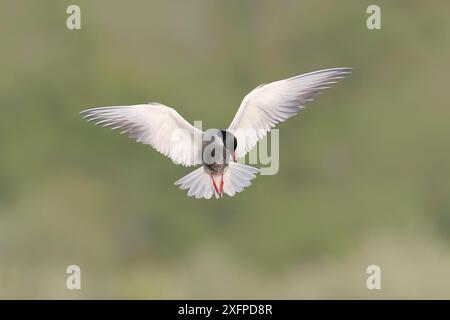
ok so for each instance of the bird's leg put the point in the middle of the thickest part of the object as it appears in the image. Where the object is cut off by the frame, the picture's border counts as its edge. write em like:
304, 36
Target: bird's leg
234, 156
215, 185
221, 186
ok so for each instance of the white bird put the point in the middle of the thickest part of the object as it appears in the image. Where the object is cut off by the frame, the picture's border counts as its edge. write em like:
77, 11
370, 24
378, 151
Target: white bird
165, 130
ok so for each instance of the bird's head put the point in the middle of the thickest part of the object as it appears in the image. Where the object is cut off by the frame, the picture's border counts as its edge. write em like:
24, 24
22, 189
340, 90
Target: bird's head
229, 140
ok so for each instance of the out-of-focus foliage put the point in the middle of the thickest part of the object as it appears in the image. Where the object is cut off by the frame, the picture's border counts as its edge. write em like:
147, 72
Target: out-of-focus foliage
364, 174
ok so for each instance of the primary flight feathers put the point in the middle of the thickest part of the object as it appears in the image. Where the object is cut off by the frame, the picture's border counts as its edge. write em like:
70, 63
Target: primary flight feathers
153, 124
275, 102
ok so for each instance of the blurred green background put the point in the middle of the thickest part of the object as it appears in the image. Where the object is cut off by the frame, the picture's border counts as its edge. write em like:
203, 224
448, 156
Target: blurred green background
364, 171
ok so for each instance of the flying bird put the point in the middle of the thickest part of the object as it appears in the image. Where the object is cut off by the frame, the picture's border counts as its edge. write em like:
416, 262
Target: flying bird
216, 151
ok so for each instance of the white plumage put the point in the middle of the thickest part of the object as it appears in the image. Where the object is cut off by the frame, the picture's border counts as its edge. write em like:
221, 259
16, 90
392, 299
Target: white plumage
236, 177
165, 130
275, 102
156, 125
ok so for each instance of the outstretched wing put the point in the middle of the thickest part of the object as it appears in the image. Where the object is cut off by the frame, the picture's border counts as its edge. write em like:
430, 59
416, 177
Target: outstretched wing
156, 125
275, 102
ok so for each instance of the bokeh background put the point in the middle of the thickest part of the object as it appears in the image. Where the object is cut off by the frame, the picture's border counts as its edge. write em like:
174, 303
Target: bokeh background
364, 171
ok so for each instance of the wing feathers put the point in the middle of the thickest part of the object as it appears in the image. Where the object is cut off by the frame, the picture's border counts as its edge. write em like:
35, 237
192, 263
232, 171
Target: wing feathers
153, 124
275, 102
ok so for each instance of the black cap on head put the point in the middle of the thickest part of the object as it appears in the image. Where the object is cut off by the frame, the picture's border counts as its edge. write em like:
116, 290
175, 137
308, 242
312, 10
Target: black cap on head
229, 140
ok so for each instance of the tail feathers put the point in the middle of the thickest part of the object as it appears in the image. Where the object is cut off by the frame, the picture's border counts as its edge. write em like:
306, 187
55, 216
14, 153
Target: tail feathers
236, 178
199, 184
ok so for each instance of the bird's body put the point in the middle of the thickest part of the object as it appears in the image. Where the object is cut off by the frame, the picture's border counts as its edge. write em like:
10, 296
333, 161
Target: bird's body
216, 150
217, 153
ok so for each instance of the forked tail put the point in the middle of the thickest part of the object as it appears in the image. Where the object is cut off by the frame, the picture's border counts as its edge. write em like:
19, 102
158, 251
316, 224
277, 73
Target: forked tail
200, 183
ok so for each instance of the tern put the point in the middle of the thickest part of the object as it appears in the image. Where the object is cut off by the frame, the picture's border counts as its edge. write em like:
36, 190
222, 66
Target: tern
217, 151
